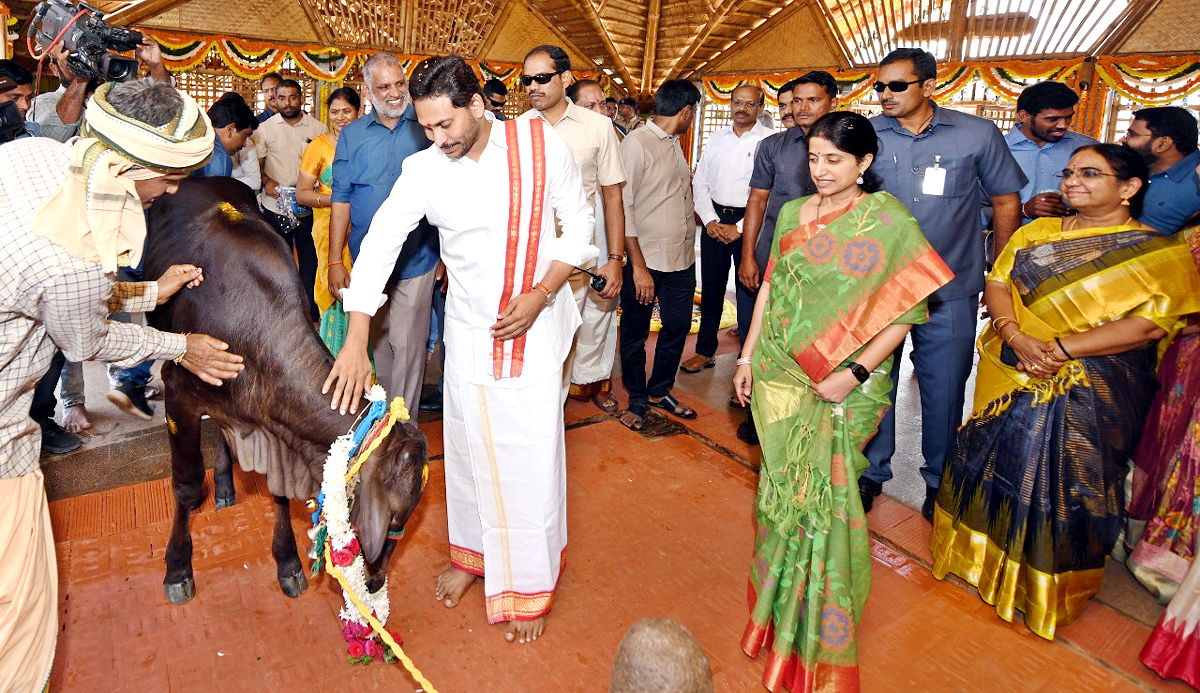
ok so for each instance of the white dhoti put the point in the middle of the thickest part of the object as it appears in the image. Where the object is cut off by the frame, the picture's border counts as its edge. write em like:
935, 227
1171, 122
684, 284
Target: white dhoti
595, 351
28, 585
506, 490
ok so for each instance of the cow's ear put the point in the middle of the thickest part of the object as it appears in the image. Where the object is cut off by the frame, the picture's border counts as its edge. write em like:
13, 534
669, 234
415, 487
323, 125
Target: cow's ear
372, 512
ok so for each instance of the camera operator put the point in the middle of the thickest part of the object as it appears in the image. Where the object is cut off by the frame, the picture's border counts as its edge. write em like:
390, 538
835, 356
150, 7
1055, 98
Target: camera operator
58, 112
69, 215
16, 86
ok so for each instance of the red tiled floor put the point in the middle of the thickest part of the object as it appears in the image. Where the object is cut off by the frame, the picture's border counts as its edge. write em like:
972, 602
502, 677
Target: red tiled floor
657, 527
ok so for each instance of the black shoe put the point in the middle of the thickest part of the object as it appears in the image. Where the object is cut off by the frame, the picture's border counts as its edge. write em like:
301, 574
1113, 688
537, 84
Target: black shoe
431, 402
57, 440
867, 490
931, 493
746, 431
131, 399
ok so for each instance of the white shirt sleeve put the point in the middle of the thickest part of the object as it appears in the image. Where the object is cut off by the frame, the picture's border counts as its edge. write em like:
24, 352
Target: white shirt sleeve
702, 186
393, 222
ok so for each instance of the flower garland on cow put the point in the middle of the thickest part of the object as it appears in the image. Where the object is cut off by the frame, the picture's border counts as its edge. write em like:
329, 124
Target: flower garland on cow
335, 542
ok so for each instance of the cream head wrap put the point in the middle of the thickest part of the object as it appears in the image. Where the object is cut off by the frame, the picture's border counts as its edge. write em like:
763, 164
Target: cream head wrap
96, 214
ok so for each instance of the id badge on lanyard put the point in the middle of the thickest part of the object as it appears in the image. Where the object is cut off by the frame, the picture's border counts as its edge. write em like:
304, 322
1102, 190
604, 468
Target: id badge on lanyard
935, 178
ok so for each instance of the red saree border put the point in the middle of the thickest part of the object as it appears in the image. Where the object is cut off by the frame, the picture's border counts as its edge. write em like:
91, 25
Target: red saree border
1172, 652
912, 284
790, 673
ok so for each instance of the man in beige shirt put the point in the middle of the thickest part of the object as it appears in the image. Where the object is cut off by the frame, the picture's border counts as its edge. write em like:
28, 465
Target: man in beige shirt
593, 141
660, 239
627, 117
280, 141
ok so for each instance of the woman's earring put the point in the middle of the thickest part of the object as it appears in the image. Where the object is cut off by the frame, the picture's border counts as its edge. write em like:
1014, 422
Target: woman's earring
860, 179
1124, 201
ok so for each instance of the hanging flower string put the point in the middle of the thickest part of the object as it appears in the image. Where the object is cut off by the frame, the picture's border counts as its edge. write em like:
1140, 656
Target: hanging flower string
335, 543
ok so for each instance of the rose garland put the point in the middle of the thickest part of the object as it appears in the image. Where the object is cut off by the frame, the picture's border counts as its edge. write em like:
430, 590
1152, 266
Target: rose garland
335, 543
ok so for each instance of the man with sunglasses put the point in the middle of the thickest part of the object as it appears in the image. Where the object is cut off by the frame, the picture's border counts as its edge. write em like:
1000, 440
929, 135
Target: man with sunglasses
496, 96
1042, 144
547, 73
1165, 138
780, 174
936, 161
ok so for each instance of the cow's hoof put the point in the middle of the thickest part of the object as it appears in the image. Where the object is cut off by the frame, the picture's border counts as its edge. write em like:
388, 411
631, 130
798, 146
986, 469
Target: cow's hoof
181, 592
225, 502
294, 585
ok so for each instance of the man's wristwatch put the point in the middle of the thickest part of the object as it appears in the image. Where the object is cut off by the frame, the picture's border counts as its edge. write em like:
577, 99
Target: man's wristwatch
620, 258
860, 373
550, 295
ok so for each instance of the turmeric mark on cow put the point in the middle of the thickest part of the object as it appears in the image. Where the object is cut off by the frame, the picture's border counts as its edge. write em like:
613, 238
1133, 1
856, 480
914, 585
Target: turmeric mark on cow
231, 213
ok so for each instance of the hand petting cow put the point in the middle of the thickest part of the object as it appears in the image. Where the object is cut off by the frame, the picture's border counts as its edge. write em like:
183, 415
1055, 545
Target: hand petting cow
273, 418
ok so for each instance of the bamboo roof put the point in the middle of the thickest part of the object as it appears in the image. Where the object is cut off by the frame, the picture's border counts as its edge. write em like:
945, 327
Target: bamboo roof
641, 43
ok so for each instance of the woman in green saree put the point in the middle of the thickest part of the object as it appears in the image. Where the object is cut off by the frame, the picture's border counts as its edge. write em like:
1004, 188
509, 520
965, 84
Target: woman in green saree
848, 277
1081, 307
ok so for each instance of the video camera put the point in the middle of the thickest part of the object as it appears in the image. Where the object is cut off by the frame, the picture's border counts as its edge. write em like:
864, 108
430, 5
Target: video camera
89, 41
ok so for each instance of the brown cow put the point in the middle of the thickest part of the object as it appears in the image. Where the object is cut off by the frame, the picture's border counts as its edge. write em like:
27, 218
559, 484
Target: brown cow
273, 418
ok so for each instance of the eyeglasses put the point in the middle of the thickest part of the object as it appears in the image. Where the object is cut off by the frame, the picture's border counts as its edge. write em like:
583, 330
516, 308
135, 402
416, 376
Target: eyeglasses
737, 103
497, 104
543, 78
1083, 173
896, 87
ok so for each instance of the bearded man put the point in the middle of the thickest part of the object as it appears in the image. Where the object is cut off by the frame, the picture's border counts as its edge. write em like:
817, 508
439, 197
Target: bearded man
494, 191
369, 158
69, 216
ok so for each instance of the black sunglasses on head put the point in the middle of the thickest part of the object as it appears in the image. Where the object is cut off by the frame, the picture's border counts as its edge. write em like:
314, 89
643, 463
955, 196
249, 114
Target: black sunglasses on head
895, 87
543, 78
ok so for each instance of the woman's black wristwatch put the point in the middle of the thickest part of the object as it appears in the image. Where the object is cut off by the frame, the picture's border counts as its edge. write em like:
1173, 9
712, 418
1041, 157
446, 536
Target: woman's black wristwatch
859, 372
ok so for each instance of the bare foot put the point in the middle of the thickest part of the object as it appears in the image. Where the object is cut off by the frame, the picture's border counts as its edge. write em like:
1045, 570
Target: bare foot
75, 419
525, 631
452, 584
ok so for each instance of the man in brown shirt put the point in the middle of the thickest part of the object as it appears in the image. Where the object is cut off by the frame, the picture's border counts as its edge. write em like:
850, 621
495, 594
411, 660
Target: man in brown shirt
660, 239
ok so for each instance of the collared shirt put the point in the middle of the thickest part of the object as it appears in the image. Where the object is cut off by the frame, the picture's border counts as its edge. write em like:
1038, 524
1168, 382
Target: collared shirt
629, 125
1173, 196
1039, 164
44, 112
474, 237
658, 199
245, 167
593, 141
281, 145
366, 164
725, 168
974, 155
45, 295
221, 164
780, 166
265, 115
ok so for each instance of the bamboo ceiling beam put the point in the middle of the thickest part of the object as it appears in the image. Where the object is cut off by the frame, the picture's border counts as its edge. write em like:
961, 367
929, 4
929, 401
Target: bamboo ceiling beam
834, 38
713, 23
319, 27
618, 63
1122, 29
494, 32
648, 57
141, 11
958, 30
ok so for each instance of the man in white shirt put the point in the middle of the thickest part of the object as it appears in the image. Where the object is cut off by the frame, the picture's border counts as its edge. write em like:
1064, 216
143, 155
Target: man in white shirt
493, 190
720, 189
594, 143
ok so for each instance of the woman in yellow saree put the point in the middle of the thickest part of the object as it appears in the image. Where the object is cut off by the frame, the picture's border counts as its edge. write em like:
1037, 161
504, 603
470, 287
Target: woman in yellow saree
847, 279
314, 188
1030, 503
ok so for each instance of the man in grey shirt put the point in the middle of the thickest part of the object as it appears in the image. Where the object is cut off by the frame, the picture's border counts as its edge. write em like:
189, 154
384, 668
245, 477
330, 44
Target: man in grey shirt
936, 160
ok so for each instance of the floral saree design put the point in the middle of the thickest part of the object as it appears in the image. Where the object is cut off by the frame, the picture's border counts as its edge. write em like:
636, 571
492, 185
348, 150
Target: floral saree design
834, 284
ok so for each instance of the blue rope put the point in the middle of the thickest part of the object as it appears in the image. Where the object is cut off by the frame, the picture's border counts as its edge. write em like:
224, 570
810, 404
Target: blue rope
376, 412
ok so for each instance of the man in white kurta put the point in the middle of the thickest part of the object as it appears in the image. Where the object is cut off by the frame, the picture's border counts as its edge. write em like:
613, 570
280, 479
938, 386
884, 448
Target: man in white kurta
506, 337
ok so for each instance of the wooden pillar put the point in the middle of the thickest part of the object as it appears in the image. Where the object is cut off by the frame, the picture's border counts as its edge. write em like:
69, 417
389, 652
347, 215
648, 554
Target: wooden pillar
1093, 101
